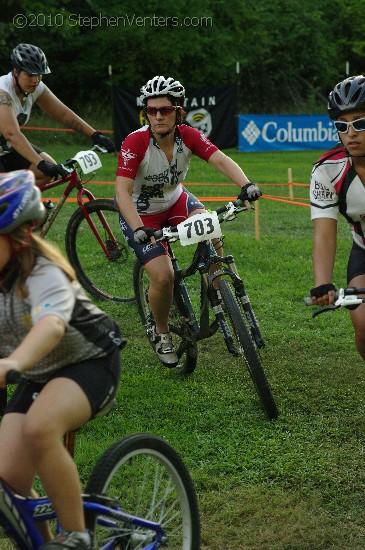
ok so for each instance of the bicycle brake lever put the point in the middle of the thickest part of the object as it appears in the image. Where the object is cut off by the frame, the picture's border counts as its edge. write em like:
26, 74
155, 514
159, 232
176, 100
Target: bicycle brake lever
68, 167
230, 213
234, 208
99, 149
170, 233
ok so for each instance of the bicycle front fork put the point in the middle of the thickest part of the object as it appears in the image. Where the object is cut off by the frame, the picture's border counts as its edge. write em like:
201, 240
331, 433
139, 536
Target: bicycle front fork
248, 311
242, 298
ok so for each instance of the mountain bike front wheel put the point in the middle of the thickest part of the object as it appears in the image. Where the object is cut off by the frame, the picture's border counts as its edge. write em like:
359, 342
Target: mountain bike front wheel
149, 479
182, 336
95, 246
245, 347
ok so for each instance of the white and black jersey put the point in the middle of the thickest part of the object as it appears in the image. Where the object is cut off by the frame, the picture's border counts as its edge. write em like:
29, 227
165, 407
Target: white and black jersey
336, 188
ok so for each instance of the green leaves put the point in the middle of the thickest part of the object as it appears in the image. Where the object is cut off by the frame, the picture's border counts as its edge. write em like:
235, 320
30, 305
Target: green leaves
291, 52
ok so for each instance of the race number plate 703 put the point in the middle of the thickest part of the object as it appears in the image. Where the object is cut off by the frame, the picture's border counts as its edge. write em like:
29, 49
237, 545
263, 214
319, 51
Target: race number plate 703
201, 227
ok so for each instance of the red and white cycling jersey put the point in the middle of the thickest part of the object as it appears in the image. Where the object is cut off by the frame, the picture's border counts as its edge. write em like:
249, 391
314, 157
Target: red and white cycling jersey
158, 183
335, 187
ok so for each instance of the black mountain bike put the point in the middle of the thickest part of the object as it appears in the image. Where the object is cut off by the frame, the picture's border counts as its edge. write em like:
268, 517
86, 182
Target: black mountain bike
223, 301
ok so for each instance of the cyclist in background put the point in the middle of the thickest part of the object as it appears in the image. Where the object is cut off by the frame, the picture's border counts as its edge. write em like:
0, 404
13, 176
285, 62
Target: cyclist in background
337, 185
19, 91
67, 349
153, 162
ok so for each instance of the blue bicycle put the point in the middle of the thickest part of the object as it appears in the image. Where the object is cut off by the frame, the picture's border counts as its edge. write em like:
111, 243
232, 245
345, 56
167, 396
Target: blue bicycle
139, 496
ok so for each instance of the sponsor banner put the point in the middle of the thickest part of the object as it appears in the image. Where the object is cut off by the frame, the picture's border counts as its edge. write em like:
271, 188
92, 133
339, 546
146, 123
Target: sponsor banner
211, 110
285, 132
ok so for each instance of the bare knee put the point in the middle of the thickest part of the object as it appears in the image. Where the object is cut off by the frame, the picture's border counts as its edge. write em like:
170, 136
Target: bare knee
162, 278
360, 342
38, 435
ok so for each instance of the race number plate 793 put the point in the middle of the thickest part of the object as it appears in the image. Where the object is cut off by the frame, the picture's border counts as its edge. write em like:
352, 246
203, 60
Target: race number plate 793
88, 161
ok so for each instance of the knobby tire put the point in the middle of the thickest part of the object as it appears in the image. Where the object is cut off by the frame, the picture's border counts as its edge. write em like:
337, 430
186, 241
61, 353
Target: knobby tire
184, 342
104, 278
248, 350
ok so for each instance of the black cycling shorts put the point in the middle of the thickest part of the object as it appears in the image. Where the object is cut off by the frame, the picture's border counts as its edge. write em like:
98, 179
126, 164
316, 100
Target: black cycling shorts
356, 263
13, 161
98, 378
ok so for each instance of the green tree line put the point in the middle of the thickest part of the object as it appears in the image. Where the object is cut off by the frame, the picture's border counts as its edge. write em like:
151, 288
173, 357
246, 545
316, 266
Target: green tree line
283, 55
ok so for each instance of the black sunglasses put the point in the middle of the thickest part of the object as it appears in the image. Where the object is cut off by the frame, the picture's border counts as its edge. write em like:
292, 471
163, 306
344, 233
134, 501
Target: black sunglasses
358, 125
168, 110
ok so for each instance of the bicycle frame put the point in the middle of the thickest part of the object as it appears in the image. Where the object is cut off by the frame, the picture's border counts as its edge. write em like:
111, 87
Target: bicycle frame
18, 516
204, 257
74, 182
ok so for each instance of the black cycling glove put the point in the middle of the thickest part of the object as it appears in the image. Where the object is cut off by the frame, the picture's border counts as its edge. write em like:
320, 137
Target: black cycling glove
143, 234
249, 192
52, 170
321, 290
103, 141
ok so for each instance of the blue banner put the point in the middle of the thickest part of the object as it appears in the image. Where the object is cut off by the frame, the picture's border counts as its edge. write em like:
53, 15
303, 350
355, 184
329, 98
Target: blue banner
285, 132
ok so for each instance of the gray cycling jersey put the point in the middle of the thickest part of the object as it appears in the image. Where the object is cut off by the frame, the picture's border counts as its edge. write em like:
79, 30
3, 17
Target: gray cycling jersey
90, 333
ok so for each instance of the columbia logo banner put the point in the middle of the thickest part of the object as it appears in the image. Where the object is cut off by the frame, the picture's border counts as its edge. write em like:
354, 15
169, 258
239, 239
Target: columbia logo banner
285, 132
251, 132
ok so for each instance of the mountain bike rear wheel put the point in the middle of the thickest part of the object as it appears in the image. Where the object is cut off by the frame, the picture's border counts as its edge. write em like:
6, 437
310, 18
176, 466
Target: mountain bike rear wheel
183, 338
147, 476
246, 348
104, 273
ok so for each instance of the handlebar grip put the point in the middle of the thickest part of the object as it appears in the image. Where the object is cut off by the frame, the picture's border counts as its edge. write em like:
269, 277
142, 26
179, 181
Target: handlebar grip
13, 376
69, 163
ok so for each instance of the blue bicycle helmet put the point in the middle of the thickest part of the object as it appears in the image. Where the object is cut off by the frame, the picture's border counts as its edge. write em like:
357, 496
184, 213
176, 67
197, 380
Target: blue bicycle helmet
19, 200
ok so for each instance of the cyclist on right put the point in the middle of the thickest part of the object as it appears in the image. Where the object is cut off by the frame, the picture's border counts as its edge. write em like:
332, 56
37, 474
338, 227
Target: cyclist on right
153, 162
337, 186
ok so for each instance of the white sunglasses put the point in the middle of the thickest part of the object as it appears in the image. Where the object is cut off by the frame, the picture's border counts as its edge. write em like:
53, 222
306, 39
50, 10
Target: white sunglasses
342, 126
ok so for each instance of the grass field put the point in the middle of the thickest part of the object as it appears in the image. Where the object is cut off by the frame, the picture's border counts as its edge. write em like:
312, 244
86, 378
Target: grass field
296, 483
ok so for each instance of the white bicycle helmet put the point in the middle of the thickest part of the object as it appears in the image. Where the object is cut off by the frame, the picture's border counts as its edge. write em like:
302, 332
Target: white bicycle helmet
161, 86
19, 200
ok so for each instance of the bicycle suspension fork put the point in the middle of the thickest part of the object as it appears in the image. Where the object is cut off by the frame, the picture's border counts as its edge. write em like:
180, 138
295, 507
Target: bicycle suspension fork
246, 304
242, 297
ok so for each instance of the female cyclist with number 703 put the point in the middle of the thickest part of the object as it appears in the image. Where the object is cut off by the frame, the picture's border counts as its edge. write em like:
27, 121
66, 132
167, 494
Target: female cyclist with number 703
153, 162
